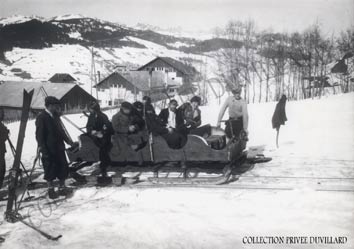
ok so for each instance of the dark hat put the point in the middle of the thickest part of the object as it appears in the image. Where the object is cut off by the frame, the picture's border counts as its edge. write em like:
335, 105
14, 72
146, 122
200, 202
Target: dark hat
196, 99
173, 101
126, 105
147, 99
50, 100
94, 106
138, 105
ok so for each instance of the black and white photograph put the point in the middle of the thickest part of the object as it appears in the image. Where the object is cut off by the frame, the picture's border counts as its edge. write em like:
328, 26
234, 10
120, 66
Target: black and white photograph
177, 124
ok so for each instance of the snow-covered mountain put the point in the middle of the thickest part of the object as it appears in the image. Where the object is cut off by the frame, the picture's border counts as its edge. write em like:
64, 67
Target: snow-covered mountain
18, 19
35, 48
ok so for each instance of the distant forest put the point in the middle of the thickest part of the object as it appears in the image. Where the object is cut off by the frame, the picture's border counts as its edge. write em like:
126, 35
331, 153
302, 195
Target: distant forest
300, 65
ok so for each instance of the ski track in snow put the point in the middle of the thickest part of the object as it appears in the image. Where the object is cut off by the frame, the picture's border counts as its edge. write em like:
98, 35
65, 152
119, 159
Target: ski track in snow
316, 153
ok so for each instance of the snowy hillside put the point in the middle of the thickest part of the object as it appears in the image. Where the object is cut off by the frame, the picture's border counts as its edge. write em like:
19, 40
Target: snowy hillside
34, 48
306, 190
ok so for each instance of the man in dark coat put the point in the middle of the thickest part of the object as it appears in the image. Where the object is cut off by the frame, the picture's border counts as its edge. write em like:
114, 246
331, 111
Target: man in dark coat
147, 103
279, 116
51, 136
99, 128
4, 134
138, 115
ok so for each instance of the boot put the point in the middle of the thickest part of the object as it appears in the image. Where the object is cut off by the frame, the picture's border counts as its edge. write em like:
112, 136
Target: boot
64, 191
52, 194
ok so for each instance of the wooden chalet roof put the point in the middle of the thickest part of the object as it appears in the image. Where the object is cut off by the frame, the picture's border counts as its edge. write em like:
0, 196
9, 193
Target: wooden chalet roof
131, 79
179, 66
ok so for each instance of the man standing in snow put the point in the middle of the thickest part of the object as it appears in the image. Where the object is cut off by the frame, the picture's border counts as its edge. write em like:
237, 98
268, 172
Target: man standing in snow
100, 129
4, 133
50, 136
238, 114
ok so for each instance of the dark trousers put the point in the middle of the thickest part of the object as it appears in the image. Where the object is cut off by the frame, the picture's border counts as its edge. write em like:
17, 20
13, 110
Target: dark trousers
175, 140
104, 158
233, 127
2, 168
104, 144
55, 166
201, 130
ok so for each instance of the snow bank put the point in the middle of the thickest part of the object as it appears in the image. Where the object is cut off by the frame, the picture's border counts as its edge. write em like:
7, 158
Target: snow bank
279, 198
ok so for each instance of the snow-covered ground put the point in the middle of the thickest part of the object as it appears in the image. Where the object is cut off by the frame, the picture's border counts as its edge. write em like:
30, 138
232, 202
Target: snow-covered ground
306, 190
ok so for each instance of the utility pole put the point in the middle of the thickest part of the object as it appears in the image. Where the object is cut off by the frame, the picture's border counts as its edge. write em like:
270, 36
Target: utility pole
93, 73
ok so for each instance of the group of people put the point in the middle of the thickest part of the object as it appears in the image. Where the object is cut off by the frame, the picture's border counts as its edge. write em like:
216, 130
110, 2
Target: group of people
131, 124
133, 121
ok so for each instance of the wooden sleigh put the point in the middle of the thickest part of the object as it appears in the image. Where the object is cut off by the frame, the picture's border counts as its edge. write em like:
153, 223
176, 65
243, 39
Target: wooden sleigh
215, 152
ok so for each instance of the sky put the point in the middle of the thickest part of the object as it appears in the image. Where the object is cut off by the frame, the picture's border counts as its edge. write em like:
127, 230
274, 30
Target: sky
278, 15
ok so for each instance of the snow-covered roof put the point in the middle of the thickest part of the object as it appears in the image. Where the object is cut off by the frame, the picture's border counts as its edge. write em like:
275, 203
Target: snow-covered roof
142, 80
11, 92
177, 65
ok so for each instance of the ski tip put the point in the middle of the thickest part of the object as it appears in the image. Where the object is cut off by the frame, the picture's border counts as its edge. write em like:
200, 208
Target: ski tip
56, 238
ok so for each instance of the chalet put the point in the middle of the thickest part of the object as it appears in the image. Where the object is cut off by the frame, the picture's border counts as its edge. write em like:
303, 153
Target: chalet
172, 67
317, 82
133, 85
72, 96
320, 85
62, 78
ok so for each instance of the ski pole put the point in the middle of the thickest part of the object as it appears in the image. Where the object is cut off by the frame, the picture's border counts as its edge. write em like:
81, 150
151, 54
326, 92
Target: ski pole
14, 216
46, 235
13, 150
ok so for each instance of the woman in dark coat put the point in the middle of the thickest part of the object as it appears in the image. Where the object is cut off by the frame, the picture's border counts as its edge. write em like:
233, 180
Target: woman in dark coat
279, 116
